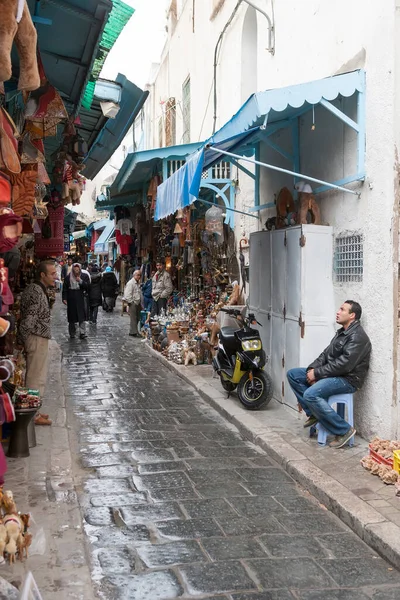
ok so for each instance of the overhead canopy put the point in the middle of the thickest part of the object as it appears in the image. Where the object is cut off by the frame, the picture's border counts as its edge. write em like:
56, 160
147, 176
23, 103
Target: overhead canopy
106, 135
69, 34
137, 171
74, 39
100, 224
263, 111
78, 235
100, 246
139, 167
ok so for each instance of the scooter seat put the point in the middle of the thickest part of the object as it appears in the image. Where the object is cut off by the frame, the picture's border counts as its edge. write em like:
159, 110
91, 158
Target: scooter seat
228, 338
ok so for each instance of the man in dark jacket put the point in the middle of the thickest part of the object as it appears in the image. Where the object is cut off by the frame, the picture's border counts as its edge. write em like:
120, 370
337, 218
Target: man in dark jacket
340, 369
95, 298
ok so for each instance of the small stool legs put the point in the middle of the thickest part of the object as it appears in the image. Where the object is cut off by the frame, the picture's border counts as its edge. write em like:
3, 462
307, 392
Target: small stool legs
341, 400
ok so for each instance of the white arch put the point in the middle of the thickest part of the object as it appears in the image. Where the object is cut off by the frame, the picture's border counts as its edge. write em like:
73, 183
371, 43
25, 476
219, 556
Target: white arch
249, 54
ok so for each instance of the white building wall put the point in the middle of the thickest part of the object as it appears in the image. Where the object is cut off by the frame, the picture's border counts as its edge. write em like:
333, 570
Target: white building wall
314, 39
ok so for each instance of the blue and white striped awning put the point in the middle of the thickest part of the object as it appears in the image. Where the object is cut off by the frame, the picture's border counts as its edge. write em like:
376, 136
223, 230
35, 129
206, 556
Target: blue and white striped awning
246, 126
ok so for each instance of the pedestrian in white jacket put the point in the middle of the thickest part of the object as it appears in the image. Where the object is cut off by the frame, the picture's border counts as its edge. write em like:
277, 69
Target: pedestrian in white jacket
133, 296
161, 290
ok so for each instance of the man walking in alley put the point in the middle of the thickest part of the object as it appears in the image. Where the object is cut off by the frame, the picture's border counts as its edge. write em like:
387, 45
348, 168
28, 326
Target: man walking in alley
34, 330
340, 369
161, 289
67, 268
133, 296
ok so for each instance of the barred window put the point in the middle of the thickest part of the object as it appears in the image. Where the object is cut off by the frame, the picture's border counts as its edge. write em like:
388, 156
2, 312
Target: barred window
348, 263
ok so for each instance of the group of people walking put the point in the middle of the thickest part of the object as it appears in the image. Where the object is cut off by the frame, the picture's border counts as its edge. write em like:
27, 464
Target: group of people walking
85, 290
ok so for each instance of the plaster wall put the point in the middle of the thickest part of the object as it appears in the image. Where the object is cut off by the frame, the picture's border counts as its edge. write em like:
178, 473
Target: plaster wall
314, 39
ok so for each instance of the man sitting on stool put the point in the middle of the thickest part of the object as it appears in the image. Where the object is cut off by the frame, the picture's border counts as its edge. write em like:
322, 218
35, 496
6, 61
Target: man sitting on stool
340, 369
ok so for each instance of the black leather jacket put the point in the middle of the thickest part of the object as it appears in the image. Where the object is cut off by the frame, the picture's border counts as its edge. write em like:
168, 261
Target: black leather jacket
347, 356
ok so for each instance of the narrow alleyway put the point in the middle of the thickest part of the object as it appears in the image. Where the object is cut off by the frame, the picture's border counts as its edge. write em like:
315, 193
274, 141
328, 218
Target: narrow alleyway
176, 504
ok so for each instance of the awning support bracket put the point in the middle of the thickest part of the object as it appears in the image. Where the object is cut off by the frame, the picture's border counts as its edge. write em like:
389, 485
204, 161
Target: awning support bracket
279, 169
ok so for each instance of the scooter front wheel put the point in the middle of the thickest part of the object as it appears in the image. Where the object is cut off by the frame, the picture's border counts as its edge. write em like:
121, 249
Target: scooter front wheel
255, 390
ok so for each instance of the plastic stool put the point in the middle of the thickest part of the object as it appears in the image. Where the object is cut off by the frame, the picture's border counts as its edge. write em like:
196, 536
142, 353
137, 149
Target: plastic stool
341, 400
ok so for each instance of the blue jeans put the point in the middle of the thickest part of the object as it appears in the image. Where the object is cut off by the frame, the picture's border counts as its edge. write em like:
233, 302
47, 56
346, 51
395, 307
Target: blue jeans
314, 398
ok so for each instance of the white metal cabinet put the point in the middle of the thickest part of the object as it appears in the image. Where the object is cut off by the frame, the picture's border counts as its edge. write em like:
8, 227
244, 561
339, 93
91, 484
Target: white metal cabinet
291, 292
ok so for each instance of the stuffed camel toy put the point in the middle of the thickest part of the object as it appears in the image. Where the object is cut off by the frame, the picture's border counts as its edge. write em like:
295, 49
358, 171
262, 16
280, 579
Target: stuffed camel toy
16, 25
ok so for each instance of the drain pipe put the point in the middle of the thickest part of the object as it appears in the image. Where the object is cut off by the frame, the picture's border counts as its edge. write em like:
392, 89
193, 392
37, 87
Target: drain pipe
270, 48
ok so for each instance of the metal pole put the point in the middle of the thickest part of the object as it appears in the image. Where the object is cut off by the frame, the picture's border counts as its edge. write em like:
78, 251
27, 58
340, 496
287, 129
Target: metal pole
274, 168
270, 48
227, 208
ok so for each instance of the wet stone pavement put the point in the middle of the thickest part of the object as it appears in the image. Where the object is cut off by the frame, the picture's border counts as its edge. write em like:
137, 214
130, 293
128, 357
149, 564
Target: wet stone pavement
175, 504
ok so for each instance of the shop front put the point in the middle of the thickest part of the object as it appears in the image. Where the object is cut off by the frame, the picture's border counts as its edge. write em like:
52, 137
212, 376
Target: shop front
52, 126
295, 148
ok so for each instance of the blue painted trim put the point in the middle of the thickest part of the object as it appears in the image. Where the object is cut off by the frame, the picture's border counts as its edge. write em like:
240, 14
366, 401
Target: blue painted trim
344, 181
42, 20
361, 119
229, 220
257, 177
339, 114
278, 149
240, 212
233, 161
262, 207
165, 169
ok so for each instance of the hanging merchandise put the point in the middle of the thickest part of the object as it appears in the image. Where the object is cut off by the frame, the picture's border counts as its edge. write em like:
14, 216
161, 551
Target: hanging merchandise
10, 229
5, 190
43, 176
215, 222
124, 226
29, 152
79, 147
176, 247
9, 159
16, 26
23, 190
46, 229
178, 228
44, 109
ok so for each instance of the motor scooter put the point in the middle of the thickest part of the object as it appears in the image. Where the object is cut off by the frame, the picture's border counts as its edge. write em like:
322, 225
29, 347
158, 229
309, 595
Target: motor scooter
240, 361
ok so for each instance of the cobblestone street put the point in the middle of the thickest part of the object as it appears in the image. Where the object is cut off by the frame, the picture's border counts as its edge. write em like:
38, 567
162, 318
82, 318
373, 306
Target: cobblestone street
175, 504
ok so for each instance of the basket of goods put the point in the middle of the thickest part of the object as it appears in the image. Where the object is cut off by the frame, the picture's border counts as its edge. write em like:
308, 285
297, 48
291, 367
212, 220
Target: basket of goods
380, 461
26, 398
381, 451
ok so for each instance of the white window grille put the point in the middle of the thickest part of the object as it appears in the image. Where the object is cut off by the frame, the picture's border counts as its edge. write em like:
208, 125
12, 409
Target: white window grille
348, 263
186, 111
174, 165
221, 170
